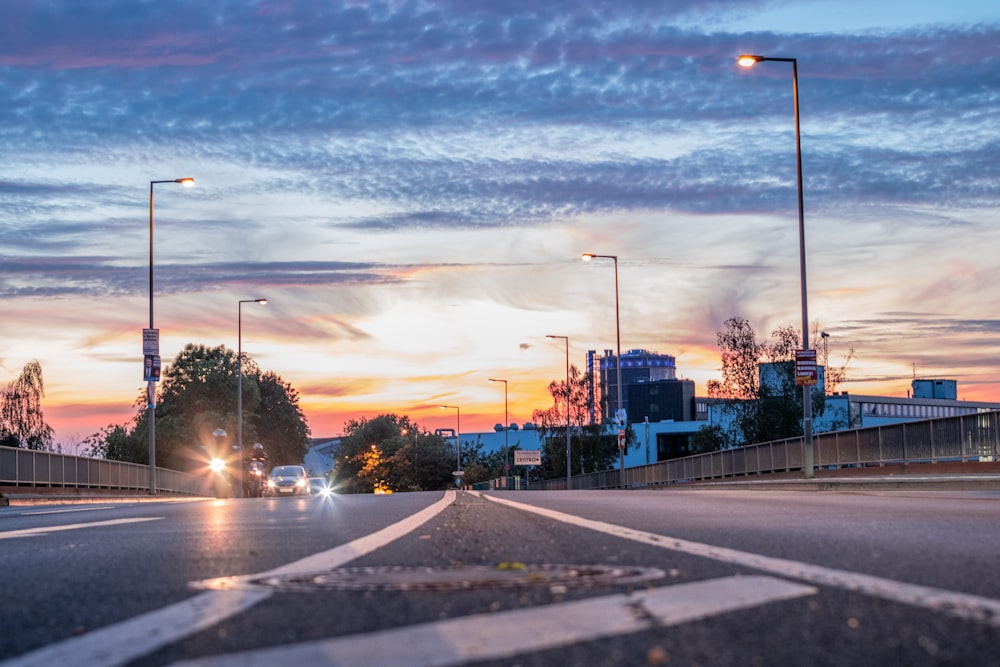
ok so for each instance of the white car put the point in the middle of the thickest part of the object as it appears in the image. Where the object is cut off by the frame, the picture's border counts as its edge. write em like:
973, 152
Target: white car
288, 481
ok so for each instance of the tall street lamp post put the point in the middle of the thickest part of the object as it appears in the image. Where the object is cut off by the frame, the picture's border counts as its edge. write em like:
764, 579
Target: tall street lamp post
151, 383
568, 448
506, 430
750, 61
587, 256
239, 379
458, 434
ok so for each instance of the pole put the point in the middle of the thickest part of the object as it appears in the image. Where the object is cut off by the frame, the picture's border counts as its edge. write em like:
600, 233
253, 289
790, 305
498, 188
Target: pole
618, 364
750, 61
506, 430
151, 385
569, 482
806, 389
587, 256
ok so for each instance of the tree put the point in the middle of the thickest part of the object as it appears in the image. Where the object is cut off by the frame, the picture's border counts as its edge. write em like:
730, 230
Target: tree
758, 392
392, 452
198, 396
591, 446
278, 422
21, 421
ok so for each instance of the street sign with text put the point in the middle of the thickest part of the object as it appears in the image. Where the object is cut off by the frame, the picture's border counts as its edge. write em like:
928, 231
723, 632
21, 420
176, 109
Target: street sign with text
527, 457
805, 368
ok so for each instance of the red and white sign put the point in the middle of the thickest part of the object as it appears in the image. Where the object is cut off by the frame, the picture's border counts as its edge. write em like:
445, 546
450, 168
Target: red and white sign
805, 368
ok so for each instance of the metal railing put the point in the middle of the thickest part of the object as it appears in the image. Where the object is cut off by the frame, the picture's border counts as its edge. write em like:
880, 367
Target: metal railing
31, 468
974, 437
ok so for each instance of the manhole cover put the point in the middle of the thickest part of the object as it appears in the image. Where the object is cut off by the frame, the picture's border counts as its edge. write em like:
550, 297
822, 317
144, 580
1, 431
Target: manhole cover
475, 577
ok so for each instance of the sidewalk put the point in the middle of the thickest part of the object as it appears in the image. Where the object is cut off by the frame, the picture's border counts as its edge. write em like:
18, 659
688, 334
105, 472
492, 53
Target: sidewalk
937, 482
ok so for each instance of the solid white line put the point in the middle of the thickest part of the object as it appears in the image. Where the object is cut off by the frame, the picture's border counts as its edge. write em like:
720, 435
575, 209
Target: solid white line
33, 532
126, 641
476, 638
962, 605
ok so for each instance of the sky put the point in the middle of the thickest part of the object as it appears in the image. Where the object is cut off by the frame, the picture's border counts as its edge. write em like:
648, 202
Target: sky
411, 185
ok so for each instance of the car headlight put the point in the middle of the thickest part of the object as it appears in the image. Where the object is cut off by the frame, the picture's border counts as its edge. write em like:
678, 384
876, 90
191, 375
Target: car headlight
270, 483
300, 483
217, 465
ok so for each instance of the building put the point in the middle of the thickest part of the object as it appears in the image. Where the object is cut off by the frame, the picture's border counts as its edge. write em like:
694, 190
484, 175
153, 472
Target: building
636, 366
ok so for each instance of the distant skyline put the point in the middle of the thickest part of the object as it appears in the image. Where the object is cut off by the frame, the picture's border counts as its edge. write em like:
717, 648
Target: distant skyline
411, 186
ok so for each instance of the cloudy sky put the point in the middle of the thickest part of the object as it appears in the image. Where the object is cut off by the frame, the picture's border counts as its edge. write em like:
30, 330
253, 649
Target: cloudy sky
411, 184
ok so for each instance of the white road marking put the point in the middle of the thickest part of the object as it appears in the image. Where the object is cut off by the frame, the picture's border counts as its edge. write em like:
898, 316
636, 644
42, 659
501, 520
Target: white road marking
126, 641
962, 605
475, 638
34, 532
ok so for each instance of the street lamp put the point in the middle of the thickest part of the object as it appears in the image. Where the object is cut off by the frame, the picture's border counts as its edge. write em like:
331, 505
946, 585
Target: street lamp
458, 433
239, 378
587, 256
747, 60
506, 429
151, 384
568, 474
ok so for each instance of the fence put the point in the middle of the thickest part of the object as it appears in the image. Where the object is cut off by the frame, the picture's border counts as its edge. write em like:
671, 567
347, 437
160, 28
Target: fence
974, 437
30, 468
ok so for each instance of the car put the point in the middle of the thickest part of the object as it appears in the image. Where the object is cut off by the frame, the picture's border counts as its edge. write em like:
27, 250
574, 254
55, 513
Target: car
288, 481
318, 486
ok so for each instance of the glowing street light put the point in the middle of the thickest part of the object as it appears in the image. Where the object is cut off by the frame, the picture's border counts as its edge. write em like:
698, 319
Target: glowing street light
568, 448
748, 60
151, 383
587, 256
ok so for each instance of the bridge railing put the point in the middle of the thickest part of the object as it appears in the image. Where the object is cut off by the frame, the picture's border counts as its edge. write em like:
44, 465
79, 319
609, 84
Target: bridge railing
32, 468
973, 437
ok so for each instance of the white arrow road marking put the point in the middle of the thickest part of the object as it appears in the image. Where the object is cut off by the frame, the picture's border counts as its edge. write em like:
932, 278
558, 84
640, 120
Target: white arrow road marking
33, 532
475, 638
962, 605
123, 642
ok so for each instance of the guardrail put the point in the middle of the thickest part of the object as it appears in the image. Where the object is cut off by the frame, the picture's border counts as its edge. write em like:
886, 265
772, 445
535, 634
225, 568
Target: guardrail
974, 437
31, 468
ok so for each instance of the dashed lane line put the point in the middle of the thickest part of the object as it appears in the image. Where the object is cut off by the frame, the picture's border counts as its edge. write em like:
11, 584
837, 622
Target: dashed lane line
476, 638
123, 642
961, 605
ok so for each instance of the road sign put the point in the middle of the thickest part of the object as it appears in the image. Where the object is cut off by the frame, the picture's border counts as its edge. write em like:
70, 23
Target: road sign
527, 457
151, 341
621, 417
805, 368
621, 438
458, 473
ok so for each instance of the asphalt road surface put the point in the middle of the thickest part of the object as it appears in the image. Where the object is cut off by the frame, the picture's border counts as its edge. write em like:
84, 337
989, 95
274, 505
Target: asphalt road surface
507, 578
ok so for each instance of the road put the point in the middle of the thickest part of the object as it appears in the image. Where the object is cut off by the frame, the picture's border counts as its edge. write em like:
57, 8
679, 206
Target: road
689, 577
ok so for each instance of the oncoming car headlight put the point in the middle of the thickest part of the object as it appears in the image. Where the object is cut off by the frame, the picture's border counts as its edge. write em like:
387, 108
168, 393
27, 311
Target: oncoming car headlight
217, 465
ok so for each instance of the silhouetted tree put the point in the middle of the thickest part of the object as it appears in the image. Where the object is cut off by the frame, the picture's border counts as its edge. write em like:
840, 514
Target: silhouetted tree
197, 395
762, 403
21, 421
592, 445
